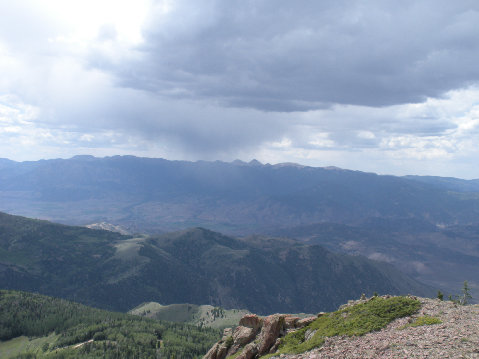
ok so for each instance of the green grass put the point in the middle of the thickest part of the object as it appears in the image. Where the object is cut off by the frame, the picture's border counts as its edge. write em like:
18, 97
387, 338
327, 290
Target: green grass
356, 320
199, 315
423, 320
235, 355
23, 344
128, 250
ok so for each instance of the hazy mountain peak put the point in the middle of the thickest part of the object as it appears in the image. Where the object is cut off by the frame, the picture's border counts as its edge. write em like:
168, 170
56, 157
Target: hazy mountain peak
255, 162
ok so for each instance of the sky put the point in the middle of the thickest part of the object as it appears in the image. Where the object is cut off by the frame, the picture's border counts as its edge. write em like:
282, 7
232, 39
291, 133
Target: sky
390, 87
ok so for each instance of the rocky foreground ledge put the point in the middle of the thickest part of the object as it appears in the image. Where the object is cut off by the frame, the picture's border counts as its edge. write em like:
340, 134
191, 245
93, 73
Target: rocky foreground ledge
376, 327
255, 336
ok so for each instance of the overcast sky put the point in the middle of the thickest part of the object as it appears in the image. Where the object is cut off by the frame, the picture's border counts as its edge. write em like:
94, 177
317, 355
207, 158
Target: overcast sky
382, 86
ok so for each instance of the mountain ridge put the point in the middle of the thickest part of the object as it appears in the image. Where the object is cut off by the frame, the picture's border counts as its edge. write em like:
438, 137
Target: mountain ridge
156, 195
112, 271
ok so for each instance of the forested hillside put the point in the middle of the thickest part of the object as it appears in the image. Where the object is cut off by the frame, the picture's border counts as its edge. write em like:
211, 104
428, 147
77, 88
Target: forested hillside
61, 329
197, 266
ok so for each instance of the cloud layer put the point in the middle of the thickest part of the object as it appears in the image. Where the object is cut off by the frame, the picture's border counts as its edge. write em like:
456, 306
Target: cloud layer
296, 56
384, 86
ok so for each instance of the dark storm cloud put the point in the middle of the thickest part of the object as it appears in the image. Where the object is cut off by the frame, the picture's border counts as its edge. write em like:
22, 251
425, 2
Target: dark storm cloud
277, 55
394, 85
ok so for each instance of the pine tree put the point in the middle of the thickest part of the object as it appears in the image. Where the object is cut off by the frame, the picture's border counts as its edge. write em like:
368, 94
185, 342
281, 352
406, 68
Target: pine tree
466, 295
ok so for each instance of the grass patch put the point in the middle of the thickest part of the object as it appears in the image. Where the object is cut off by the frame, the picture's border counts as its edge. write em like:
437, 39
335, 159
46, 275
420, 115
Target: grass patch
23, 344
423, 320
199, 315
356, 320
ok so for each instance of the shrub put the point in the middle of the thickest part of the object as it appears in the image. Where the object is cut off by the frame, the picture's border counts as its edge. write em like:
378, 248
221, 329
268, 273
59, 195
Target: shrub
423, 320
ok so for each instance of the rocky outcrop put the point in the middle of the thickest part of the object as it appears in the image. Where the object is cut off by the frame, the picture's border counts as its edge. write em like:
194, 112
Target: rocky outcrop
455, 336
255, 336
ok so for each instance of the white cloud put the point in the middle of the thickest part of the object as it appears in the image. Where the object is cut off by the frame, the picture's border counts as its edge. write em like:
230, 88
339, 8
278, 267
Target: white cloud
367, 135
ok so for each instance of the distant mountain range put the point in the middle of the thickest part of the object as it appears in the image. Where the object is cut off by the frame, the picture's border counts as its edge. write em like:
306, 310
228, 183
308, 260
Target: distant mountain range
198, 266
156, 195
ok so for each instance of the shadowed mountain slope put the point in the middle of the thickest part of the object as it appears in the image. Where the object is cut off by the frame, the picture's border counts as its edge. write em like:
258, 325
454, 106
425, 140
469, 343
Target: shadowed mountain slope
440, 256
196, 266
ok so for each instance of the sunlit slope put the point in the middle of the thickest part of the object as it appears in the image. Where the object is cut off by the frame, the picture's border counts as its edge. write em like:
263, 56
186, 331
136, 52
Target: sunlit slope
201, 315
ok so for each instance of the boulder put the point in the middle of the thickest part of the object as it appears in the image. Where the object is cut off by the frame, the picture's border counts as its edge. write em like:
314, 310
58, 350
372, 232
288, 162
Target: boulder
290, 322
273, 325
246, 332
243, 335
221, 352
249, 352
250, 321
212, 352
306, 321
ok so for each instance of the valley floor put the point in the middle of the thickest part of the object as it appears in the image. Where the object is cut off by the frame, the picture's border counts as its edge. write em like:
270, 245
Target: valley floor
456, 337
